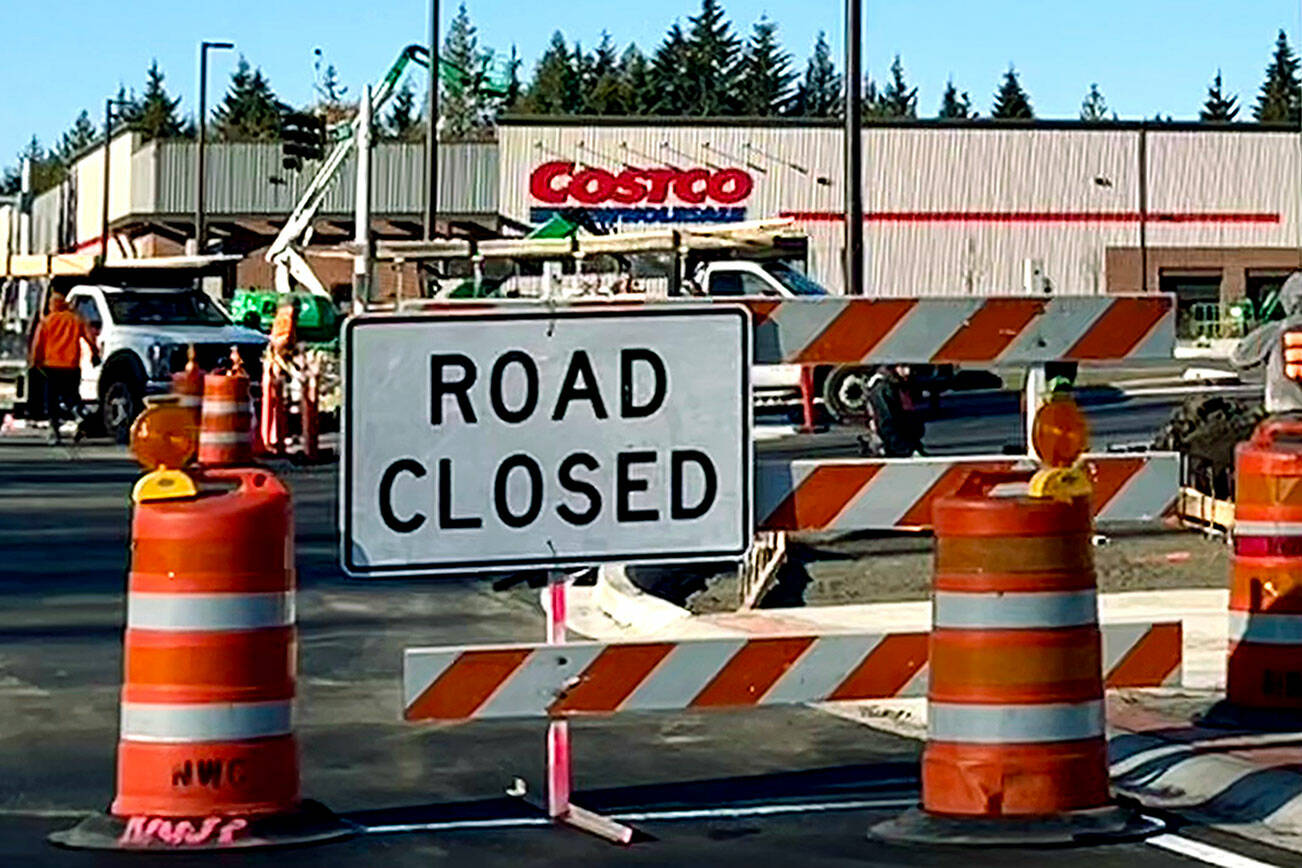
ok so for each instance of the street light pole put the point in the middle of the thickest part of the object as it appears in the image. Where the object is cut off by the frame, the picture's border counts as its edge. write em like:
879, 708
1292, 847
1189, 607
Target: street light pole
853, 149
201, 144
432, 135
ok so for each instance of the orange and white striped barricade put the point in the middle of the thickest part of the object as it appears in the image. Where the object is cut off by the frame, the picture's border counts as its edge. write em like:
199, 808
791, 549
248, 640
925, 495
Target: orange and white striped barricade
226, 422
1016, 750
851, 494
207, 756
1004, 331
457, 684
1264, 673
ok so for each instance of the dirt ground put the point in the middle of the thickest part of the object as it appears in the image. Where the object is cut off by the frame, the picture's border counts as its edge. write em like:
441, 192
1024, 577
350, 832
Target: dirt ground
873, 570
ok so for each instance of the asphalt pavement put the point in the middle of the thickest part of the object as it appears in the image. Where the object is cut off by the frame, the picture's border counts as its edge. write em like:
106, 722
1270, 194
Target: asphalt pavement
770, 786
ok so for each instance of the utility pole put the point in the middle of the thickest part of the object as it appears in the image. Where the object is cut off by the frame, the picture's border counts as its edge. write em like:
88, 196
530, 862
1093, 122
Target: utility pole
362, 210
202, 141
432, 118
854, 269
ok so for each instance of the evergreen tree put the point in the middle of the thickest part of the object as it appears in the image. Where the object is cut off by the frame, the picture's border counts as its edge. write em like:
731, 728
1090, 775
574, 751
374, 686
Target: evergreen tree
955, 105
819, 94
711, 70
635, 81
765, 74
465, 106
671, 84
78, 138
898, 100
157, 118
514, 90
555, 81
249, 111
1094, 107
1220, 108
1278, 101
126, 108
403, 121
872, 103
1011, 102
602, 88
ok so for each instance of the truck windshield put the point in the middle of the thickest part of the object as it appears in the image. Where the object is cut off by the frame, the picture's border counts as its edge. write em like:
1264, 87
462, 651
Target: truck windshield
793, 280
183, 307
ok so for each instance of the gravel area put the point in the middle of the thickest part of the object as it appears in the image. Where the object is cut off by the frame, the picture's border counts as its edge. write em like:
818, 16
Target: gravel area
875, 570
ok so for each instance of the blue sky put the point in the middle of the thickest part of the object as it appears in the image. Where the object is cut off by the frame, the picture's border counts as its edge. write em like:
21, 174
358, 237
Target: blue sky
1148, 56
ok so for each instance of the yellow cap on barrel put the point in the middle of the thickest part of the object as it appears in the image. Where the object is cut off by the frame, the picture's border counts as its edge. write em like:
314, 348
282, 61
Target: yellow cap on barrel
163, 438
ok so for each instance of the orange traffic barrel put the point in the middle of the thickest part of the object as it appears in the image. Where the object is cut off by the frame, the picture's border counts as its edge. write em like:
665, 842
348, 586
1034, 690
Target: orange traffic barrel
226, 423
1016, 751
206, 754
1265, 618
187, 385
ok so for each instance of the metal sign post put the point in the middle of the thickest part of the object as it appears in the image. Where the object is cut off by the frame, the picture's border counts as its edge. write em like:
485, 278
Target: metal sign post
559, 776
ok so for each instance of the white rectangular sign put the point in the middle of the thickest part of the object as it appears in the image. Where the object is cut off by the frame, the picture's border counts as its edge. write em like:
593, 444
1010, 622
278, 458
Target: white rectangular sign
545, 438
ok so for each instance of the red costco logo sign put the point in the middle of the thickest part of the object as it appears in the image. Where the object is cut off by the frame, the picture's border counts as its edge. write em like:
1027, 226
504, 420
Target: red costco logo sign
557, 183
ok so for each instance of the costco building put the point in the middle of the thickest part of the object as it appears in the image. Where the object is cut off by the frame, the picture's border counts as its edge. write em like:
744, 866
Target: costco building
1209, 213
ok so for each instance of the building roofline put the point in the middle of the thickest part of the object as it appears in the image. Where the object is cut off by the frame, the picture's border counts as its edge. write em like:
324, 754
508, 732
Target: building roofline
520, 120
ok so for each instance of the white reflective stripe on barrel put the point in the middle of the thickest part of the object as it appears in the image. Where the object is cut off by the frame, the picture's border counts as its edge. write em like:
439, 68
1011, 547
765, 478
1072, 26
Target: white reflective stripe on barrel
1013, 724
1267, 528
217, 721
1014, 610
225, 438
1266, 628
189, 400
150, 611
225, 408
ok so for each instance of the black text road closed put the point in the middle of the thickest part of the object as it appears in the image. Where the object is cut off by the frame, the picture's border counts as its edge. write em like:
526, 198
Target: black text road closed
545, 438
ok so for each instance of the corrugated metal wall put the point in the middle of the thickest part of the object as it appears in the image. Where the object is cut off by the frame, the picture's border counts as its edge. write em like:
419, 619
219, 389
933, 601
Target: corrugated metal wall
957, 211
240, 179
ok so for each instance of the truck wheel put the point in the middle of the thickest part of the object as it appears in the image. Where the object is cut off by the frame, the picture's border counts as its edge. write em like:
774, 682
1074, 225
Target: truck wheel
846, 393
120, 402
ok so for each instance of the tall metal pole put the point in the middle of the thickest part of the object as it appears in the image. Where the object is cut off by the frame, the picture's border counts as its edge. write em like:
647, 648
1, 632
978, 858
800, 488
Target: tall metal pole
854, 266
104, 198
200, 176
362, 211
431, 134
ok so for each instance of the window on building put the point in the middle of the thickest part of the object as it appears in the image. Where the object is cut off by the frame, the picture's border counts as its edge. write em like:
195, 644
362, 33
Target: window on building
1197, 303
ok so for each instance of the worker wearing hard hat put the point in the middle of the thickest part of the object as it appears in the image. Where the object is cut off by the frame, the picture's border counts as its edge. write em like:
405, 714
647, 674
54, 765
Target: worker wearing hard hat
56, 353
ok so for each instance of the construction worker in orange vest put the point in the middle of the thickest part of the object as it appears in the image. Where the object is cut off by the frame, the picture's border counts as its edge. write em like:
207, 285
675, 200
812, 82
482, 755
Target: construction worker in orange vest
276, 370
56, 353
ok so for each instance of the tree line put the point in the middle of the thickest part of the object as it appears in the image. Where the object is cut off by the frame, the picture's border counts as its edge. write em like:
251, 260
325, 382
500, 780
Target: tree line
701, 68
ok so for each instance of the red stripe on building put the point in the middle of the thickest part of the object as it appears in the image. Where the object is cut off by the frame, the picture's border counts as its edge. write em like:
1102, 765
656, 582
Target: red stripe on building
856, 331
1125, 323
821, 497
466, 684
887, 669
1212, 217
1151, 661
989, 331
611, 678
751, 672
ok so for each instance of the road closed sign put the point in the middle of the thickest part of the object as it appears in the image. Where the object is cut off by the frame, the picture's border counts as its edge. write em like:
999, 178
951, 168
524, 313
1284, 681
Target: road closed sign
544, 438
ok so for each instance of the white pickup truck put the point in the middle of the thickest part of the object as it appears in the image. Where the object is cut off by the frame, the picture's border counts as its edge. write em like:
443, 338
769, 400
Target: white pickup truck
144, 336
842, 387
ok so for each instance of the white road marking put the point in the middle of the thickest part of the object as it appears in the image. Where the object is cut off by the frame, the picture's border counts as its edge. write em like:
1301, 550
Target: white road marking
655, 816
1205, 852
